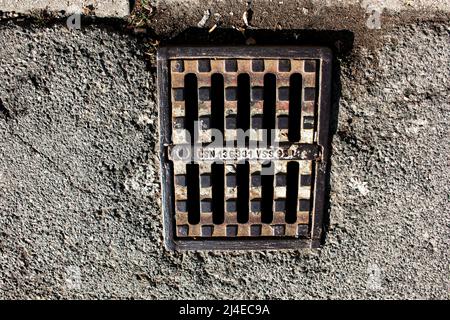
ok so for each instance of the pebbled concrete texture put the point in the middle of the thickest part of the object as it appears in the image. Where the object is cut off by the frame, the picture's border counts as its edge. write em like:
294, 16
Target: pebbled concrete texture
100, 8
79, 185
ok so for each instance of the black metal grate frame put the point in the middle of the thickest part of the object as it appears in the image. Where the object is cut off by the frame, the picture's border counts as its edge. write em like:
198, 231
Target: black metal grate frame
231, 204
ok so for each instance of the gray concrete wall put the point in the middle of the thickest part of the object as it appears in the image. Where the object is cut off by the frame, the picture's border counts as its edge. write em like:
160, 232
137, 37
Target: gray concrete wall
80, 213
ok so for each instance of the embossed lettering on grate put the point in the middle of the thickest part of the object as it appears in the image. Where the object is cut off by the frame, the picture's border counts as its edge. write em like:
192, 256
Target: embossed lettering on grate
265, 198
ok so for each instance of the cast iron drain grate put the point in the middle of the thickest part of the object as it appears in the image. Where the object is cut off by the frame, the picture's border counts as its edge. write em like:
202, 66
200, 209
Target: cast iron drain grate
244, 145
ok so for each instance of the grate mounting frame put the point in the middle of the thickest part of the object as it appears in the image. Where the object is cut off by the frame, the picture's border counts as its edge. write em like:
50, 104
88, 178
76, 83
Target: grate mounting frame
167, 54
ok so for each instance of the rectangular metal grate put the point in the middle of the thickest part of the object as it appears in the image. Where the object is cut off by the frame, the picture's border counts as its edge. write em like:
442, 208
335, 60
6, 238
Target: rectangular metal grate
244, 145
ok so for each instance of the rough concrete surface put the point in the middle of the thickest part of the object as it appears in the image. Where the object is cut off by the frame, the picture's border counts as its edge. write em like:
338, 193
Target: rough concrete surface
100, 8
80, 212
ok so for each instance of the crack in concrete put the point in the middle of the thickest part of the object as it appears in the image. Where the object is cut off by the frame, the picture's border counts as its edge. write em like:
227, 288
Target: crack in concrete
50, 160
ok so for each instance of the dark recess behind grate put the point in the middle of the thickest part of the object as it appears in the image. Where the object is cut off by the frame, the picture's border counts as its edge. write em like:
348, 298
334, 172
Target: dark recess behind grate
243, 103
242, 181
294, 112
267, 194
269, 102
191, 98
193, 193
340, 41
292, 181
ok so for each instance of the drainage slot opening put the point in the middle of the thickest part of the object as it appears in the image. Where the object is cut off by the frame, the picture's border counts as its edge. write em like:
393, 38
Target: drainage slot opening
267, 193
292, 191
193, 193
269, 106
295, 105
243, 104
191, 103
218, 192
242, 181
217, 102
